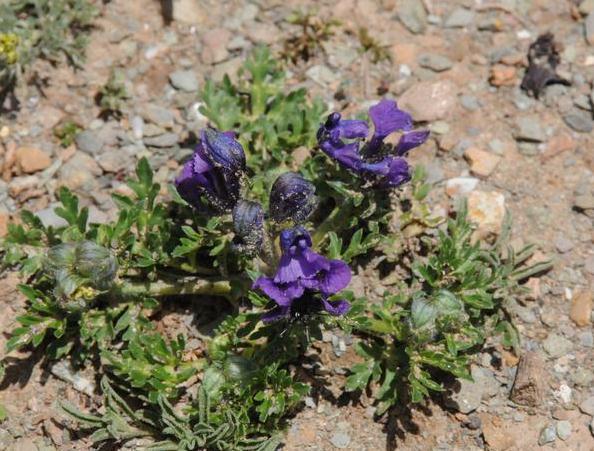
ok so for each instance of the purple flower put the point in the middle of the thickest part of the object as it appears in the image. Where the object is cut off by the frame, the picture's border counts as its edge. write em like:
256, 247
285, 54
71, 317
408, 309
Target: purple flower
383, 164
291, 197
304, 279
248, 224
213, 172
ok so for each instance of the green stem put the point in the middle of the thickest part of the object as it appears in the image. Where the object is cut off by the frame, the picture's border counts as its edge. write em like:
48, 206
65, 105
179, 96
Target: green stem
334, 221
183, 286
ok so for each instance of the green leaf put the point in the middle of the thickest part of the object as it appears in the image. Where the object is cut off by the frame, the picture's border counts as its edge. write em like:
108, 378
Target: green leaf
359, 378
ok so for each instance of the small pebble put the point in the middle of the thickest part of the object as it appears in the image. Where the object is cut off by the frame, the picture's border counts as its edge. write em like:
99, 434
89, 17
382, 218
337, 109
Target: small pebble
340, 440
547, 435
579, 121
563, 244
563, 429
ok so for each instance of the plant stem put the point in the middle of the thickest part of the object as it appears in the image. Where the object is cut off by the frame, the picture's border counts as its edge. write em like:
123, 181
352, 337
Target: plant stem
334, 221
187, 285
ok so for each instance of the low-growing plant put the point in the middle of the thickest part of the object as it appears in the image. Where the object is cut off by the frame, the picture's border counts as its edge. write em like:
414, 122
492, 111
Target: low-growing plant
372, 46
34, 29
313, 31
66, 132
268, 250
113, 95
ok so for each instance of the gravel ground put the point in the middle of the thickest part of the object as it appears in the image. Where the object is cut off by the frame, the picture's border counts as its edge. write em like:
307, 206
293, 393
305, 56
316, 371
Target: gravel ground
457, 64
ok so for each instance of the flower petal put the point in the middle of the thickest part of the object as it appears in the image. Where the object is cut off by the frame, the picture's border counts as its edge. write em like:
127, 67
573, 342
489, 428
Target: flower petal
411, 140
273, 290
189, 185
336, 278
388, 118
351, 129
336, 308
347, 154
399, 173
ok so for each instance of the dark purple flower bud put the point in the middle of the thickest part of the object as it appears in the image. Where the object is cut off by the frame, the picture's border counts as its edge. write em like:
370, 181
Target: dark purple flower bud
304, 279
374, 160
291, 197
214, 172
248, 223
223, 150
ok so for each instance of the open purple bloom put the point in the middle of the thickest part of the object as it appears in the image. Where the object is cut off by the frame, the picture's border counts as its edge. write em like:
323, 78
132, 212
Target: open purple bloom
304, 279
343, 140
213, 172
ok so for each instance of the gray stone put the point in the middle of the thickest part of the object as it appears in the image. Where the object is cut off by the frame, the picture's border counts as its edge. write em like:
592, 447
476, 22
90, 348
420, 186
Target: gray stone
584, 202
158, 115
497, 146
563, 244
526, 314
529, 129
563, 429
469, 102
583, 102
589, 263
547, 435
587, 406
557, 345
23, 444
579, 121
322, 75
413, 16
589, 28
89, 141
114, 161
435, 62
80, 172
151, 130
214, 45
229, 67
340, 440
582, 377
238, 42
429, 100
63, 370
185, 80
435, 172
459, 18
474, 422
483, 386
586, 7
586, 339
49, 217
164, 140
439, 127
137, 124
528, 149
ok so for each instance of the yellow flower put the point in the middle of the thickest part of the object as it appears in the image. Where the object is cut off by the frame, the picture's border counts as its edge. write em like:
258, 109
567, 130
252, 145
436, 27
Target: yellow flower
8, 48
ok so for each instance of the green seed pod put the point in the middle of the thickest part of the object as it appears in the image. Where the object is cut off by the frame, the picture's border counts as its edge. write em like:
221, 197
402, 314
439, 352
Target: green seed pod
81, 271
239, 368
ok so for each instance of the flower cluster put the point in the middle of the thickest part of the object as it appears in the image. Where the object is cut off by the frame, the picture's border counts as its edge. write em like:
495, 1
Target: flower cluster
375, 160
304, 280
213, 178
